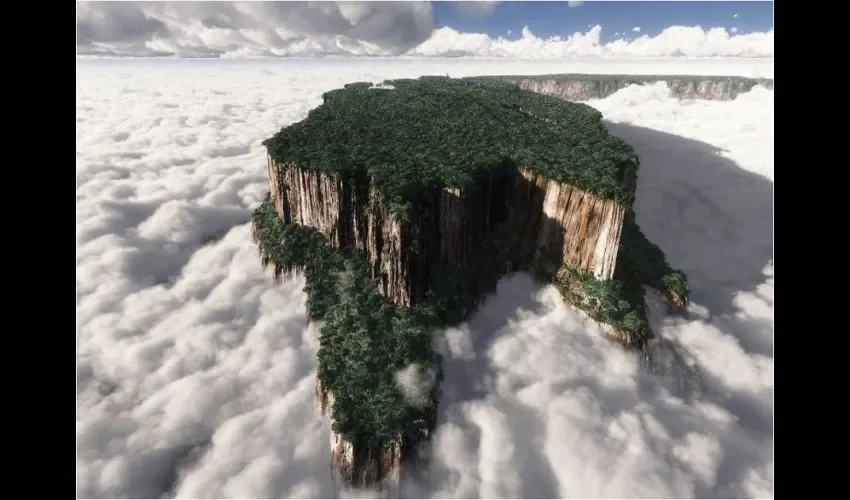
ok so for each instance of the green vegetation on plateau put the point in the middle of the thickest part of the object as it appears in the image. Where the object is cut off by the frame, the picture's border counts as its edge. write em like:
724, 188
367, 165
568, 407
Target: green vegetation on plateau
437, 131
426, 134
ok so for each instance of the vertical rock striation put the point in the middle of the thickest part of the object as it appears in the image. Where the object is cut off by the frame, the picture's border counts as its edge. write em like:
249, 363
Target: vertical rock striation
580, 230
344, 213
557, 221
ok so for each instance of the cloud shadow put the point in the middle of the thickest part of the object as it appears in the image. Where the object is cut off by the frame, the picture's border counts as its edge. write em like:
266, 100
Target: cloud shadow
712, 218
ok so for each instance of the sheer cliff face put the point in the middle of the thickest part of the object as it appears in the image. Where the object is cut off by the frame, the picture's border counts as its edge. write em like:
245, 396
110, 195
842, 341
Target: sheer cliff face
554, 225
689, 88
342, 212
559, 222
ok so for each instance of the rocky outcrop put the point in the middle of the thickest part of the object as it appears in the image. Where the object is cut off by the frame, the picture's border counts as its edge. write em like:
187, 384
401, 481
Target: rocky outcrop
353, 468
584, 87
342, 211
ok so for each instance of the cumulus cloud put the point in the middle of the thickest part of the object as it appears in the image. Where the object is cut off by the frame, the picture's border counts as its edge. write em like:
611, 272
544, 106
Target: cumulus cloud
636, 29
734, 29
211, 29
280, 29
193, 367
575, 4
673, 41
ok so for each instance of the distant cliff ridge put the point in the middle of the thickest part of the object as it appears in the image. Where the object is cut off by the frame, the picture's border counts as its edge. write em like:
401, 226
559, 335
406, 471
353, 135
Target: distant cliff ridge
583, 87
404, 205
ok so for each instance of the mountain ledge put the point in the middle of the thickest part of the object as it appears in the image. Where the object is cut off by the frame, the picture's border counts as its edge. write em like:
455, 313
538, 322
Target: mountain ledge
403, 204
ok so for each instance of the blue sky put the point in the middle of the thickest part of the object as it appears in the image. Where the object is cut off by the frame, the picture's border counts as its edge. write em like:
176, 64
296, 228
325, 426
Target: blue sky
547, 19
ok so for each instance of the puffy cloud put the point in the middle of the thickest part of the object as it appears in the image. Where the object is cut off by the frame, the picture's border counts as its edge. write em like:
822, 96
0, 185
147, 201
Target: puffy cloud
257, 29
195, 372
415, 383
251, 28
575, 4
733, 29
636, 29
673, 41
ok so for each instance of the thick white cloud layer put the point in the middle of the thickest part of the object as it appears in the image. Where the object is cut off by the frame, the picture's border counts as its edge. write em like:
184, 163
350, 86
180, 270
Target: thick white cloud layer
266, 29
195, 372
688, 41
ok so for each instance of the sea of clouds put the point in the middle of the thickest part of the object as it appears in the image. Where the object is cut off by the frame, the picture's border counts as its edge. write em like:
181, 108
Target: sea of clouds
195, 372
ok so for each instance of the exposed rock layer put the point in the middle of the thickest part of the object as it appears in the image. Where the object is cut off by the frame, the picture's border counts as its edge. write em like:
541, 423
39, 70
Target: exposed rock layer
551, 219
584, 87
582, 229
342, 212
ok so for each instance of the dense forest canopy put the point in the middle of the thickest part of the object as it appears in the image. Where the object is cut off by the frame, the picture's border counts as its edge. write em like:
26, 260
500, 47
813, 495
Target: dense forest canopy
438, 131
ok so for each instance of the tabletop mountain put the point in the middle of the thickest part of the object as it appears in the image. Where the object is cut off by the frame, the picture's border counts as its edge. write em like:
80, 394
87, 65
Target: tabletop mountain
402, 205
